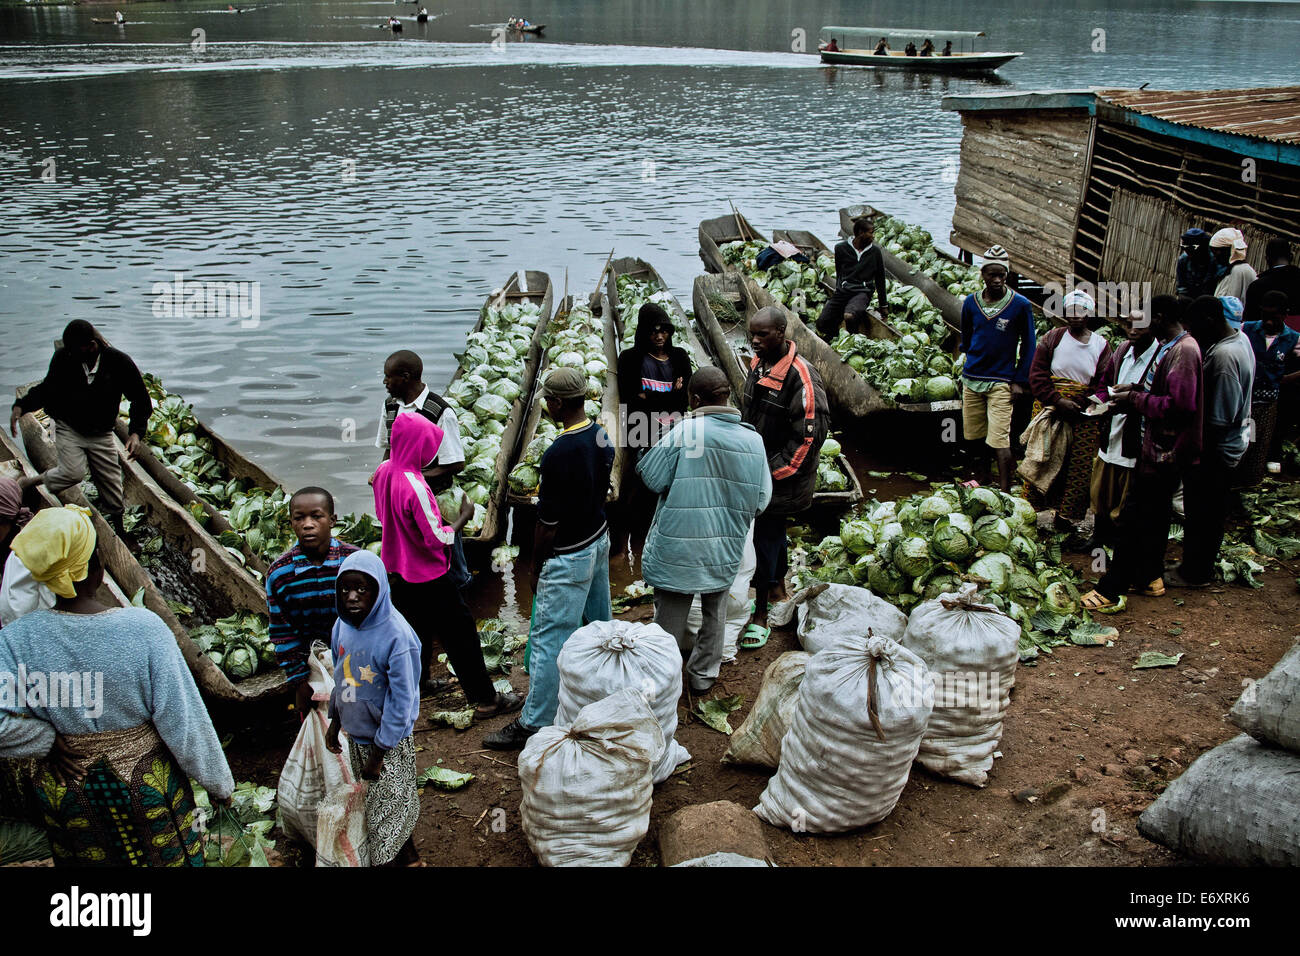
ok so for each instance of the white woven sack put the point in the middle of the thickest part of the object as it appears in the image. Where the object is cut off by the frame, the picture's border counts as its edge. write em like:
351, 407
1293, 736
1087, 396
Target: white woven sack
971, 652
840, 769
827, 612
1234, 806
604, 657
757, 740
587, 786
1269, 709
311, 771
342, 837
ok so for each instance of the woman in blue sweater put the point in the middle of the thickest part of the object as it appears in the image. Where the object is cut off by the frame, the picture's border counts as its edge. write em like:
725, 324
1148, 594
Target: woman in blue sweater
376, 700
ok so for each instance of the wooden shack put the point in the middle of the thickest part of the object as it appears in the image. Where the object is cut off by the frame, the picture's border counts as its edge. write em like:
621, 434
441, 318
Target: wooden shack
1099, 184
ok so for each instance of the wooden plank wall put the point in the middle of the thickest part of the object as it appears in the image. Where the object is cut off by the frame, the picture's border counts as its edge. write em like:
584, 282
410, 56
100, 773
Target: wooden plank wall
1146, 190
1019, 185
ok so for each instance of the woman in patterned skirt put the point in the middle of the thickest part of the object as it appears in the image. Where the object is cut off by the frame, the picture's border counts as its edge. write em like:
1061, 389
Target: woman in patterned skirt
1067, 369
112, 786
376, 700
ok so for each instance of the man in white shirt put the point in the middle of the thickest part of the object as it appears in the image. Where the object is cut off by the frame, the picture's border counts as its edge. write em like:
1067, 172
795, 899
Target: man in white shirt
407, 393
1112, 468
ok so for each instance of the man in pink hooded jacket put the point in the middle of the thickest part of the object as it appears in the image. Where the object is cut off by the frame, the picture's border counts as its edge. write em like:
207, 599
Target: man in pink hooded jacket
414, 549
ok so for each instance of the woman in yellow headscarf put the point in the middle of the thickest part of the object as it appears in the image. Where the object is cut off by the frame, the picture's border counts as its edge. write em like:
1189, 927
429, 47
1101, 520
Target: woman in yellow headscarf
113, 784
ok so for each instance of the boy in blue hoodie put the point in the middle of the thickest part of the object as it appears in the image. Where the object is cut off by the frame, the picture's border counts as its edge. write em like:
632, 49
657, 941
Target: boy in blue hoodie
376, 700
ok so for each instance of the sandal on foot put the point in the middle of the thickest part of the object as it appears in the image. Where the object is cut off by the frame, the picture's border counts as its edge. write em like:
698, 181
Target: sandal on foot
755, 636
1096, 601
504, 704
1155, 589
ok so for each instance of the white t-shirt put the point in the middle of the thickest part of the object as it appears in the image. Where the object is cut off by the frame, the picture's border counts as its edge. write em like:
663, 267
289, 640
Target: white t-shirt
1130, 372
20, 593
1075, 360
450, 451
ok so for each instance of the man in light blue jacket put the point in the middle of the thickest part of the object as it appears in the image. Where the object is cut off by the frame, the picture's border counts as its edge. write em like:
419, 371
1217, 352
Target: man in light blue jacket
711, 474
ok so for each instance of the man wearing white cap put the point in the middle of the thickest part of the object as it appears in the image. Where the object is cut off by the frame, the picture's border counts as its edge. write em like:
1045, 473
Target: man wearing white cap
997, 337
1228, 247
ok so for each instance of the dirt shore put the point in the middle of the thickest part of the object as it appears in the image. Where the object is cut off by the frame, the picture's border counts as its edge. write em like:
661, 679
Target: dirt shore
1089, 743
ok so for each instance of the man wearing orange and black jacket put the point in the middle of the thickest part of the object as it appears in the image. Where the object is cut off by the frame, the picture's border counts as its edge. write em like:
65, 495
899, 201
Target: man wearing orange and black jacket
785, 402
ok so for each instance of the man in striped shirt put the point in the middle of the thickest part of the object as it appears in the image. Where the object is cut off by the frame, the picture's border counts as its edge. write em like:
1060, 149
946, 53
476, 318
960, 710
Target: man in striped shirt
300, 588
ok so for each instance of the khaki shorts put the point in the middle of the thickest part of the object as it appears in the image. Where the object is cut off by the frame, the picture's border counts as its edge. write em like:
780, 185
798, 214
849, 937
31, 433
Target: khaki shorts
987, 415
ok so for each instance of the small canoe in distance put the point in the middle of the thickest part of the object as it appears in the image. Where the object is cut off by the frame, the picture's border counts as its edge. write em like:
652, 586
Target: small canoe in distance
845, 388
609, 403
523, 287
535, 30
206, 577
110, 23
898, 60
715, 233
640, 269
14, 464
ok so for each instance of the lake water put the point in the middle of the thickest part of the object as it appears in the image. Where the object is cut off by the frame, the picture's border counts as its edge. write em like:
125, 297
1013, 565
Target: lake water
376, 187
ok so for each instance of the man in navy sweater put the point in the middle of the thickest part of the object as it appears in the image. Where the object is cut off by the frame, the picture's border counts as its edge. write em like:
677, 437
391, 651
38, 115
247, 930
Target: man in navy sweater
997, 336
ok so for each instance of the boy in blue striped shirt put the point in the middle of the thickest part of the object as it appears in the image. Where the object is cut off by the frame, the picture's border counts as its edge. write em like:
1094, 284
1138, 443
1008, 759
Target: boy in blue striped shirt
300, 588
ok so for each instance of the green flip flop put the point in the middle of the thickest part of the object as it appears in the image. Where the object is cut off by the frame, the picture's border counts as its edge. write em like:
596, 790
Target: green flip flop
755, 636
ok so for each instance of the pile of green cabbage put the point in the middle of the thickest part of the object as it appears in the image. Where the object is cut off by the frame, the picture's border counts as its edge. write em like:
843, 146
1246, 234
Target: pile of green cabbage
483, 393
830, 476
239, 644
571, 341
917, 548
908, 371
634, 293
796, 285
915, 246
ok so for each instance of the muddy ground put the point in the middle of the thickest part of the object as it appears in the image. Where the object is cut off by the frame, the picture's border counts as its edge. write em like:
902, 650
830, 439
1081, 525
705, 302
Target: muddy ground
1089, 743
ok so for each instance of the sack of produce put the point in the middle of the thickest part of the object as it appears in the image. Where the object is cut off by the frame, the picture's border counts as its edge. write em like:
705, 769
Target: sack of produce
604, 657
971, 652
341, 834
587, 785
757, 741
862, 710
311, 771
1269, 709
828, 612
1234, 806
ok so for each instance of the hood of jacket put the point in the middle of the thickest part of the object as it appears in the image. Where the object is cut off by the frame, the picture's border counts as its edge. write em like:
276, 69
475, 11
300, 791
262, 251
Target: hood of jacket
414, 442
369, 564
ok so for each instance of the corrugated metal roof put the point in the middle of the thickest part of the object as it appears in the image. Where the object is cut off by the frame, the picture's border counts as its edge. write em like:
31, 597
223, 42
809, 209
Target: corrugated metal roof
1271, 113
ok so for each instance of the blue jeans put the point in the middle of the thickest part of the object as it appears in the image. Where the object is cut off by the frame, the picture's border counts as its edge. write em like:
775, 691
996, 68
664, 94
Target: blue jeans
572, 588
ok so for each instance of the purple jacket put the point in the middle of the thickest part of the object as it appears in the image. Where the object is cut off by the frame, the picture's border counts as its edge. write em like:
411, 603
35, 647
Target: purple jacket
1171, 410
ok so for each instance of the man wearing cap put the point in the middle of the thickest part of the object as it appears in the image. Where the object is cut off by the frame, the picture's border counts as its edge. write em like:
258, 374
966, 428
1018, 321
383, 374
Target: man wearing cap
1196, 269
997, 337
570, 574
1229, 378
1235, 274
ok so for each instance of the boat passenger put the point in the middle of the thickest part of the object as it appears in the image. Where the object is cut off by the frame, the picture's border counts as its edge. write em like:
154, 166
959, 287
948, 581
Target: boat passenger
118, 18
947, 49
832, 47
910, 49
859, 271
82, 390
138, 737
927, 48
882, 48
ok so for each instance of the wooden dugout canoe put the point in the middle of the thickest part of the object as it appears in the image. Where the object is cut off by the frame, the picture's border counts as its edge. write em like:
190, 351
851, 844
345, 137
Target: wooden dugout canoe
640, 269
715, 233
224, 585
522, 287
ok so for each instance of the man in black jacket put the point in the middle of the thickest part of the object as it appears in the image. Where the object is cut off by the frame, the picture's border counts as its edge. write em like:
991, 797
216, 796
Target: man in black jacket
785, 402
81, 392
859, 269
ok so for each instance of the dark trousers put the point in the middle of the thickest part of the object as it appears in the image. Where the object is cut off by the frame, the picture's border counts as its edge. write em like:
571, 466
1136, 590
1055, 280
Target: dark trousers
1143, 534
437, 612
1205, 506
847, 307
635, 510
770, 550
